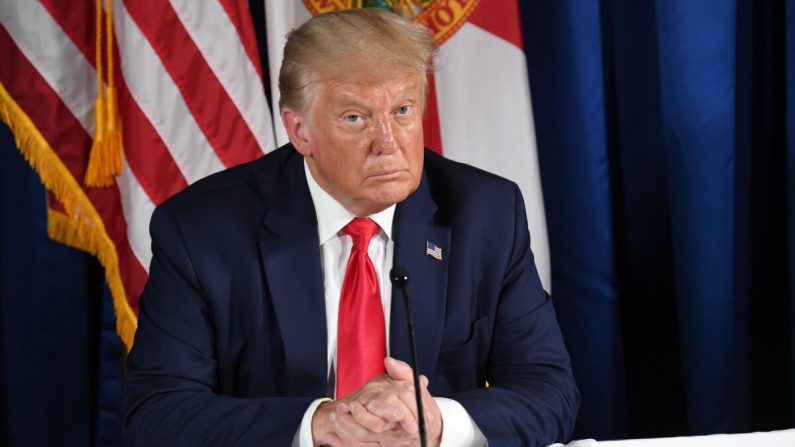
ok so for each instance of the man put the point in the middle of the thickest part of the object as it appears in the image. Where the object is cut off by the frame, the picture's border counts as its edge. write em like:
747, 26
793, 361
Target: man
268, 318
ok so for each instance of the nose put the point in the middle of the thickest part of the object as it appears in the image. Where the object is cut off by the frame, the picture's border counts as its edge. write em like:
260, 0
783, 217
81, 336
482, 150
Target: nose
385, 141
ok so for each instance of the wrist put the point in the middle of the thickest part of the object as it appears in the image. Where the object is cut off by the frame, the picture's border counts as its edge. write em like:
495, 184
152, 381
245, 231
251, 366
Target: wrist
320, 424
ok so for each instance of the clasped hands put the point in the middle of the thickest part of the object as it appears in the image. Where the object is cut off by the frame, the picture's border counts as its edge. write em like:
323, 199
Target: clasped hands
383, 412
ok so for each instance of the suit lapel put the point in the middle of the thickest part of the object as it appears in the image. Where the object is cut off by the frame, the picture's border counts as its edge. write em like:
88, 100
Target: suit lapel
290, 254
427, 287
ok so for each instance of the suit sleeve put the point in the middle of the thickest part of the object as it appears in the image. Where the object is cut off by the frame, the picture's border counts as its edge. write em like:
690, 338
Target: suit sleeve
172, 387
532, 399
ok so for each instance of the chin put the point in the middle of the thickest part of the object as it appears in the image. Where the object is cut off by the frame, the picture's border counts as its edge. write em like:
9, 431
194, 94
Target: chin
394, 195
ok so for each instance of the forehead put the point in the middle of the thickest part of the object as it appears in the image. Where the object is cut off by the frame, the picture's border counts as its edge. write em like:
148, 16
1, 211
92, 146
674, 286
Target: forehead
369, 92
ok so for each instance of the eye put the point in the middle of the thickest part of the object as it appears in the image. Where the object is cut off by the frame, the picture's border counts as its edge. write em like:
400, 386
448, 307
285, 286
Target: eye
352, 118
403, 110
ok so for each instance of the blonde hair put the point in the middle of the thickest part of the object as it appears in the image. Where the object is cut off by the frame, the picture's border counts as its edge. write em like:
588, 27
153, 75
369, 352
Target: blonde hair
355, 45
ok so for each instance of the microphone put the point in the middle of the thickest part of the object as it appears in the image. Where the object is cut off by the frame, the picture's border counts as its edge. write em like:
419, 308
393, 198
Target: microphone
400, 277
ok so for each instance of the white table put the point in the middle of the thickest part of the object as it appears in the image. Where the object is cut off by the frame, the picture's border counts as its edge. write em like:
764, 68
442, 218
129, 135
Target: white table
781, 438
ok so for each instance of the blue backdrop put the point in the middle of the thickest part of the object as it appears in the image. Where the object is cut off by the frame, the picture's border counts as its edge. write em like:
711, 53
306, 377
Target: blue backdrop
666, 135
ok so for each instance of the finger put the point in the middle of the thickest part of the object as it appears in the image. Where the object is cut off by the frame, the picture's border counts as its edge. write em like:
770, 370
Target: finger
389, 407
391, 403
369, 420
398, 370
349, 430
431, 410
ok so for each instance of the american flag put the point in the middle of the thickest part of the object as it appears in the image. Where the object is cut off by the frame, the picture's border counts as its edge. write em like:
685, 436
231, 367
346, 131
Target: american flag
190, 99
433, 250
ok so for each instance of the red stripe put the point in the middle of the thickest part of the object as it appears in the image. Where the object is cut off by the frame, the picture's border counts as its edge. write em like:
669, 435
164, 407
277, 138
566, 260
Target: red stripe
147, 154
430, 122
68, 139
43, 105
238, 13
501, 18
204, 95
77, 21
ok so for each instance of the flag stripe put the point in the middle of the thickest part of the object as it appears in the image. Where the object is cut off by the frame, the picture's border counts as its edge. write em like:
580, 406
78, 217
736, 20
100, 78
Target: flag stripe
500, 138
501, 18
71, 16
138, 210
153, 89
216, 38
237, 11
149, 158
42, 42
212, 109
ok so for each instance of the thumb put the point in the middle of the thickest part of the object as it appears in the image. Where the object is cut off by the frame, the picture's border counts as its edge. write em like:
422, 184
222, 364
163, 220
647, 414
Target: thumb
397, 369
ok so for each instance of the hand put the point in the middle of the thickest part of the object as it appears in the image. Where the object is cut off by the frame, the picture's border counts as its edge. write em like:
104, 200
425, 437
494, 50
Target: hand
381, 412
398, 370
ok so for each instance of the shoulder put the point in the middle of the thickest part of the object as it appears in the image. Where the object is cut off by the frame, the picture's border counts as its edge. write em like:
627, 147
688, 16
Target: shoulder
238, 194
267, 169
453, 183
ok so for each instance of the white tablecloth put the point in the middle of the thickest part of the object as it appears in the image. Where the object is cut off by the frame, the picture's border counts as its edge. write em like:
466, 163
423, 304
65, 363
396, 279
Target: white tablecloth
781, 438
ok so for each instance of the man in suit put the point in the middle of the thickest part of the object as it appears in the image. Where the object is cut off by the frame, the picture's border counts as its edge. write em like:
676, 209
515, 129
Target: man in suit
268, 318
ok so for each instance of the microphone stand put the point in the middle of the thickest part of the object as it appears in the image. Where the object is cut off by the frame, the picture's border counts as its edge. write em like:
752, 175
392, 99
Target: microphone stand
400, 277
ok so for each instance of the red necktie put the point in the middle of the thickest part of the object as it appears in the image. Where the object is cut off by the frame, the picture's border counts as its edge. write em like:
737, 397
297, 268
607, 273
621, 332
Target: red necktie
361, 339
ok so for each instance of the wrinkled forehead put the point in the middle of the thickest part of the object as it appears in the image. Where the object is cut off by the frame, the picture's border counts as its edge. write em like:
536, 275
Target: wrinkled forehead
363, 88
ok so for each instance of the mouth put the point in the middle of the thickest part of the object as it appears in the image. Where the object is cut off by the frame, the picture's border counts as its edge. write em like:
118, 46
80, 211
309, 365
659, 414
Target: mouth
389, 174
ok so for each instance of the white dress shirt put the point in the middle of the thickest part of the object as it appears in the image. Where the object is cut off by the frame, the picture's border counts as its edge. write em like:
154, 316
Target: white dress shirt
458, 427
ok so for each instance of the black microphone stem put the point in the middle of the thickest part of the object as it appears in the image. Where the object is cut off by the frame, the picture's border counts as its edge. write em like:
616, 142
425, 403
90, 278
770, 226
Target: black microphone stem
400, 282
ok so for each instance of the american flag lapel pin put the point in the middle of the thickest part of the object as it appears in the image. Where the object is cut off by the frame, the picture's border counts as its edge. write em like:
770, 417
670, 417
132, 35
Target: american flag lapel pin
433, 250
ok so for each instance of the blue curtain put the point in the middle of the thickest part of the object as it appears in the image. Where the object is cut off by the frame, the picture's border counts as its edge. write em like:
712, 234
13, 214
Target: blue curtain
60, 358
667, 153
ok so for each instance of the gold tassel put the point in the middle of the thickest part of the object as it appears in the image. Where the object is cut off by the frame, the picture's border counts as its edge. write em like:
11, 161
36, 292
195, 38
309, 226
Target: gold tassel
113, 130
106, 151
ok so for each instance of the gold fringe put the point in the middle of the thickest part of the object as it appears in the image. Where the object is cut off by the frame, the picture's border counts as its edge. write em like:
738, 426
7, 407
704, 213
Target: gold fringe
81, 227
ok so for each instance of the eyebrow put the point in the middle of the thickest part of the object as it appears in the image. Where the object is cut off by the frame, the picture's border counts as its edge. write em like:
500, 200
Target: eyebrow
348, 100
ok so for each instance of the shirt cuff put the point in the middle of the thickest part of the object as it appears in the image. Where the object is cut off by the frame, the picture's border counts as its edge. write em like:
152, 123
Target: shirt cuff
303, 437
458, 427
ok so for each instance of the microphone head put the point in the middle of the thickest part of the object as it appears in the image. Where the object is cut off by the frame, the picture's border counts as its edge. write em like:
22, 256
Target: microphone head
399, 276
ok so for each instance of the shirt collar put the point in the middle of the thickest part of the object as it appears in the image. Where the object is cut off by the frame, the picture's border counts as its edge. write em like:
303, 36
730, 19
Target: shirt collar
332, 216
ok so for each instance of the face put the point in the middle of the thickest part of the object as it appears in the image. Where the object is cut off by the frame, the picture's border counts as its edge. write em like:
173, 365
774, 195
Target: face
362, 141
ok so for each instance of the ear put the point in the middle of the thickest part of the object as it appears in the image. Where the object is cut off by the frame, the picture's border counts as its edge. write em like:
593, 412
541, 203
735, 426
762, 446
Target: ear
295, 125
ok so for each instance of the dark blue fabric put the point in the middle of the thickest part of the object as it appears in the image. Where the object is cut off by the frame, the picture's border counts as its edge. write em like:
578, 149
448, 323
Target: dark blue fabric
790, 83
51, 305
668, 181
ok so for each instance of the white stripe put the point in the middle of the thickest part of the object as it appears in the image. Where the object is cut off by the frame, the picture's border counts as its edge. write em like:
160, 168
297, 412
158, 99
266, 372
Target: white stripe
158, 97
486, 120
216, 37
281, 18
137, 209
56, 57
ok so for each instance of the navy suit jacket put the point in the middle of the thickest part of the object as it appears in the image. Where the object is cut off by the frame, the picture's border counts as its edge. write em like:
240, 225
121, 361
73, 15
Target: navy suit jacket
231, 340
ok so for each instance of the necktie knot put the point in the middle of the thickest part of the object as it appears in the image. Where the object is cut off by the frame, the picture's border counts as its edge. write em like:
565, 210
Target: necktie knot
361, 229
